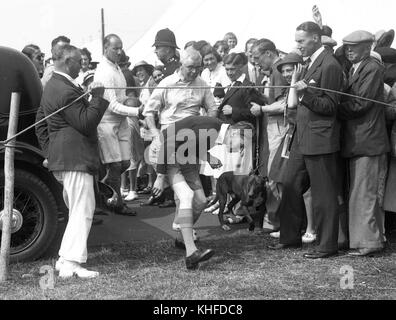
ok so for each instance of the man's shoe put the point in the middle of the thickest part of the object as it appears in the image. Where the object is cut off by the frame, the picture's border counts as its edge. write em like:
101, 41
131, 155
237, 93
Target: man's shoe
198, 256
70, 268
267, 230
152, 201
132, 195
369, 252
168, 204
281, 246
319, 255
125, 211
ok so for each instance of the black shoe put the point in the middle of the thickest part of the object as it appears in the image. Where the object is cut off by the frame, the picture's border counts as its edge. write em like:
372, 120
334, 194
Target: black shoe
152, 201
281, 246
197, 257
125, 211
319, 255
168, 204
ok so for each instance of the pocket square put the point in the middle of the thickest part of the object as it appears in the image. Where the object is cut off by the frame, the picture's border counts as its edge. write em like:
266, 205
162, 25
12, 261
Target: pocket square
312, 81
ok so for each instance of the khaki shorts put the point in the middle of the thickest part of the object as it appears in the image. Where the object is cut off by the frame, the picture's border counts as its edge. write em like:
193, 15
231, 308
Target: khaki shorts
114, 141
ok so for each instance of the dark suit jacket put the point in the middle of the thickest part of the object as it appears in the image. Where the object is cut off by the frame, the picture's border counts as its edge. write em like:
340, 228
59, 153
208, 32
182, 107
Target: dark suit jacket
239, 100
73, 142
260, 76
364, 129
202, 138
318, 130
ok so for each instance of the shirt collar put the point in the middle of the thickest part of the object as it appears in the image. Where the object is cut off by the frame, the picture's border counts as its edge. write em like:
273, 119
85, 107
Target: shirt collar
241, 78
222, 132
356, 66
73, 81
315, 55
112, 64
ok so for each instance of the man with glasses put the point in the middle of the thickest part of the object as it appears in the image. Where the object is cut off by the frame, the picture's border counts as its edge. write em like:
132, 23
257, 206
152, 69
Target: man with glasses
113, 131
180, 101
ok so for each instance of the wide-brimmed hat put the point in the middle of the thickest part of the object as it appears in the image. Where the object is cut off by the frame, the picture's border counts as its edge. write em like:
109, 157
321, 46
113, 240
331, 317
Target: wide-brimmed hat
165, 38
144, 64
388, 55
328, 41
291, 58
384, 38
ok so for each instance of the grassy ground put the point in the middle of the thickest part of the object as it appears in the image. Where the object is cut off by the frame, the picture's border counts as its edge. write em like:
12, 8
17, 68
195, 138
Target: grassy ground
243, 268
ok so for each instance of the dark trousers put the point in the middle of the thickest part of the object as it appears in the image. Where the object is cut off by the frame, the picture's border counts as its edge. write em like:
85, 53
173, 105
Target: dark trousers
321, 173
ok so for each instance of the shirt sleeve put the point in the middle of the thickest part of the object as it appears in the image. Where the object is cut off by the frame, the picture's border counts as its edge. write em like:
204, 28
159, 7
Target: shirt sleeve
154, 103
209, 103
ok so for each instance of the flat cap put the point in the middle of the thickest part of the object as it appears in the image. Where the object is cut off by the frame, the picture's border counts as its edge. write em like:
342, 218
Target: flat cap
357, 37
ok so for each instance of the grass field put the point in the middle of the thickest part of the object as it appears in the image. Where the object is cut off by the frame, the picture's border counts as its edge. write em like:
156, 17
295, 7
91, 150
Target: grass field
243, 268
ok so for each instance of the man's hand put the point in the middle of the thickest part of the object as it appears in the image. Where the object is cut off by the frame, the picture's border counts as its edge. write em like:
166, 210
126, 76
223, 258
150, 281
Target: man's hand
97, 89
255, 109
227, 110
317, 16
214, 162
301, 85
158, 186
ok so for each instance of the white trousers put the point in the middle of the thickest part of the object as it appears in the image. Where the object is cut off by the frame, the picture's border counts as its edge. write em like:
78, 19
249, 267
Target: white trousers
79, 197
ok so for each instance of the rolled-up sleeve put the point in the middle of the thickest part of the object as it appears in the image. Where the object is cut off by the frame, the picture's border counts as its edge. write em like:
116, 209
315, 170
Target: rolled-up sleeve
154, 103
209, 103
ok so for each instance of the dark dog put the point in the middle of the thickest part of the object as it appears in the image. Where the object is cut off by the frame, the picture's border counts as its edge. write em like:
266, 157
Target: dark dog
251, 190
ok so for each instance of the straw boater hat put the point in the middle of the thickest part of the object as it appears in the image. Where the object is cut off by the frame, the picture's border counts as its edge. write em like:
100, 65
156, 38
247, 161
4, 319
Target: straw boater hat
149, 68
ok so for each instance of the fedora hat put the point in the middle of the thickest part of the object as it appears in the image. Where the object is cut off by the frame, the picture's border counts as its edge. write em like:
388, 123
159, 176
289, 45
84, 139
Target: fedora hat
291, 58
384, 38
144, 64
388, 55
328, 41
165, 38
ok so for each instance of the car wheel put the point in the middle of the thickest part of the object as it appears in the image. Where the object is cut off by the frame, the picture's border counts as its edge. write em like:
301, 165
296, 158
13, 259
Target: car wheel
35, 218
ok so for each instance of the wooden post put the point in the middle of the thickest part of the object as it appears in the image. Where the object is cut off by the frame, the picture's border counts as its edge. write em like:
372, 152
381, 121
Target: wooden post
8, 187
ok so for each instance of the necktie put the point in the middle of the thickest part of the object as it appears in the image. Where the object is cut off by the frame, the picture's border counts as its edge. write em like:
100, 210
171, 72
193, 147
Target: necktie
305, 67
351, 72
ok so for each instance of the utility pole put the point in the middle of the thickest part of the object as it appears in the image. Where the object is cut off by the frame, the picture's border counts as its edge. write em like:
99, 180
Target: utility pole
103, 29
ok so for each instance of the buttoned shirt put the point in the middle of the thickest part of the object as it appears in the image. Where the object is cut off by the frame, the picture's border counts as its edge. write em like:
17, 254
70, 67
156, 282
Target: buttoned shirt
218, 75
315, 55
111, 75
175, 104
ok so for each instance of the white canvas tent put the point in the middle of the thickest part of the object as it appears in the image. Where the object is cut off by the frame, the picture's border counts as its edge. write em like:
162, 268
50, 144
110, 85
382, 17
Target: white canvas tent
210, 20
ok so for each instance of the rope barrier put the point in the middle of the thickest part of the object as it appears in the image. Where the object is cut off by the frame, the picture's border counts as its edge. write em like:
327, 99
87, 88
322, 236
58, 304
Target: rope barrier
4, 142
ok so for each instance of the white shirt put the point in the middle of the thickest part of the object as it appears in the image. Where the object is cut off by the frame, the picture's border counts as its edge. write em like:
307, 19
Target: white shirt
175, 104
356, 66
315, 55
110, 75
218, 75
253, 72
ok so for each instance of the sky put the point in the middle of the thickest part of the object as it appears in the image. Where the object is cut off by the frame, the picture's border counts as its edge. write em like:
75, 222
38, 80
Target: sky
136, 21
